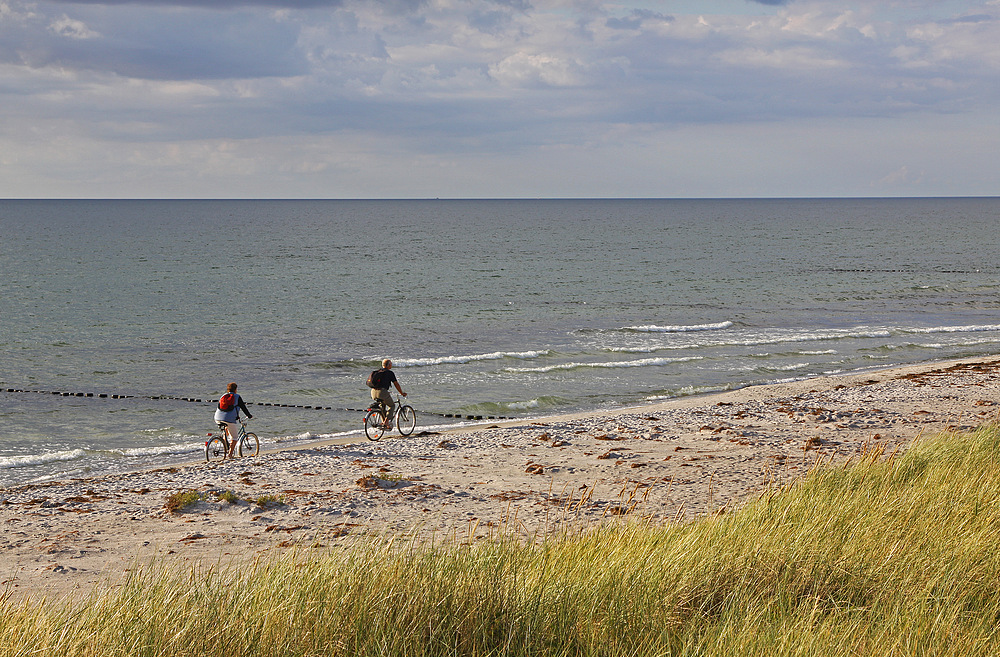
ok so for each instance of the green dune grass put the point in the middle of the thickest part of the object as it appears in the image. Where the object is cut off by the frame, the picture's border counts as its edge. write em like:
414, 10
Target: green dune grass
885, 556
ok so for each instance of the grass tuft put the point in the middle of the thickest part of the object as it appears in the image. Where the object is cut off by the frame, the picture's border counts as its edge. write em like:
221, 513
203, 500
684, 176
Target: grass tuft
229, 496
268, 501
182, 500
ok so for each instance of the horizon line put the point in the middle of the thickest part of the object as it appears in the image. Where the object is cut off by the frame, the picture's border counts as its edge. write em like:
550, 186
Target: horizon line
505, 198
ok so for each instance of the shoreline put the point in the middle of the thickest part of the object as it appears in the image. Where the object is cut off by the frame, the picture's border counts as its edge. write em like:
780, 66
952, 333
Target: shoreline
677, 459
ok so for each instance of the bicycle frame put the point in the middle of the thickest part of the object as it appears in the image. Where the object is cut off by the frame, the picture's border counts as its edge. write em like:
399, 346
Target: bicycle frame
241, 434
390, 417
378, 419
244, 440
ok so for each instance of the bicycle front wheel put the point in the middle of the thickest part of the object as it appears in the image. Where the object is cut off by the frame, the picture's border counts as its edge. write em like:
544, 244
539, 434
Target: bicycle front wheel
249, 445
374, 424
406, 419
215, 449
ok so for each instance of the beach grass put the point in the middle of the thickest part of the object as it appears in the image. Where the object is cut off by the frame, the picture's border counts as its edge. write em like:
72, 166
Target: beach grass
888, 555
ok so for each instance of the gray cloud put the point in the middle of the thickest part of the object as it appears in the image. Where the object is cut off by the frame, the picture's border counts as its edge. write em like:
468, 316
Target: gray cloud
164, 45
974, 18
211, 4
635, 20
714, 73
387, 5
476, 77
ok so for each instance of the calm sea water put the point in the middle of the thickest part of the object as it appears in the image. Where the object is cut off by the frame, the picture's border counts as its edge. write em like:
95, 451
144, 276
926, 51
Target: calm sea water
509, 308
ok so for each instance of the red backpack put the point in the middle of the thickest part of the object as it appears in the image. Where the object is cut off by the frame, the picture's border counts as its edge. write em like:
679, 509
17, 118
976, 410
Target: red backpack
228, 402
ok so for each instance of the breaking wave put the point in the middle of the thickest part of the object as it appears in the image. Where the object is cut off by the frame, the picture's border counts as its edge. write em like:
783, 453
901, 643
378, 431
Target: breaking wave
652, 328
972, 328
461, 360
642, 362
29, 460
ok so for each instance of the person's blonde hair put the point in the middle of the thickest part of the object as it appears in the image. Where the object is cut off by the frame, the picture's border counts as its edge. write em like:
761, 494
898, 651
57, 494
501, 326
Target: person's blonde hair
386, 362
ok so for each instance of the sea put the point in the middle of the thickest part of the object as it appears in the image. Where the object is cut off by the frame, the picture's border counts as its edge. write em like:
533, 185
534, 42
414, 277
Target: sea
122, 321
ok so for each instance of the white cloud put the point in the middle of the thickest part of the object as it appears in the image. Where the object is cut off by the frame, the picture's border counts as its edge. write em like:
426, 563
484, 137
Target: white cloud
73, 29
787, 59
524, 69
821, 24
900, 177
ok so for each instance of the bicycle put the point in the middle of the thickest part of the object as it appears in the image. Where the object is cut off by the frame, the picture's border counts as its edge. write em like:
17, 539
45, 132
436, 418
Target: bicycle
217, 447
376, 419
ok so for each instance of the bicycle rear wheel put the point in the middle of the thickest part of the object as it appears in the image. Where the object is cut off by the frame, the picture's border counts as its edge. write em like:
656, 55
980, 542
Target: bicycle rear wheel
215, 449
375, 424
406, 419
249, 445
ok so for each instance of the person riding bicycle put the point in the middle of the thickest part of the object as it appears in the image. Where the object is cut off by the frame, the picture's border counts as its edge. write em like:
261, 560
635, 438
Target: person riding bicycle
227, 414
379, 382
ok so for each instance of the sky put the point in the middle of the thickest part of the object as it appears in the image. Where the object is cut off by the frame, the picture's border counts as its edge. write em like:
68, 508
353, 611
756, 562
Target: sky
499, 98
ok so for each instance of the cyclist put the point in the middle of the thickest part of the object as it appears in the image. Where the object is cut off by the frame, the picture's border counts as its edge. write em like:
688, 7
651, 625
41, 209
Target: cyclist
227, 414
379, 381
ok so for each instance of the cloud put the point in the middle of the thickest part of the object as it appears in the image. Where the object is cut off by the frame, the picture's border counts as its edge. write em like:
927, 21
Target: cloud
74, 29
524, 69
211, 4
975, 18
393, 6
635, 20
900, 177
154, 44
452, 79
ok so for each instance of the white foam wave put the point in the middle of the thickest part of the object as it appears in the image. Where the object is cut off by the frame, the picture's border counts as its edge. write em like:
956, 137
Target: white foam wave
652, 328
787, 368
973, 343
308, 436
818, 336
688, 391
59, 476
763, 338
786, 380
634, 350
461, 360
160, 450
972, 328
40, 459
642, 362
523, 406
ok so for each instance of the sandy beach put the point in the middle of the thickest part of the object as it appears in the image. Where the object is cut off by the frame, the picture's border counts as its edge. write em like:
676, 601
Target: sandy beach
675, 460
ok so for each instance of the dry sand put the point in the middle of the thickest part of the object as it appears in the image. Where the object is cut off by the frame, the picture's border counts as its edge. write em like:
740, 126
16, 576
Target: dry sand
679, 459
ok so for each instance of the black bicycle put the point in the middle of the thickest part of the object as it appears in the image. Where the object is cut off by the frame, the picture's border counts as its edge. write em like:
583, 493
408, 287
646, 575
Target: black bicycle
377, 419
